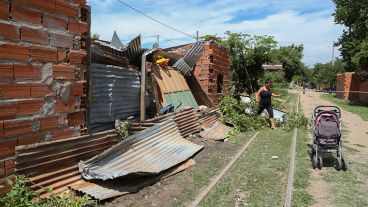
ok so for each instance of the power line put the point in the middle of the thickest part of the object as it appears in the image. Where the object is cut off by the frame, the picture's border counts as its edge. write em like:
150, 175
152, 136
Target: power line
156, 20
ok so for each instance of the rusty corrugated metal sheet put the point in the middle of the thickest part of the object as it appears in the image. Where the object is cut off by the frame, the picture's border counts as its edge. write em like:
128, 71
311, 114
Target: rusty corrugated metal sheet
218, 131
200, 96
208, 117
55, 164
186, 64
187, 121
134, 51
115, 95
102, 190
150, 151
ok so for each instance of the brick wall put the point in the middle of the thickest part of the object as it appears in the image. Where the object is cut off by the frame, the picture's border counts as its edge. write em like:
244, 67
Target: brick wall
348, 85
214, 61
42, 73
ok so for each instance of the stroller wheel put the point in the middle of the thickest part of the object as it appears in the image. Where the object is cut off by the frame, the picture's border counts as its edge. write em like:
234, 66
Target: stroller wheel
320, 163
339, 164
344, 164
314, 162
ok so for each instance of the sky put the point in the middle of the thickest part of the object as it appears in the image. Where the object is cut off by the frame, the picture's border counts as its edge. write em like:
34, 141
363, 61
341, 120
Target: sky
307, 22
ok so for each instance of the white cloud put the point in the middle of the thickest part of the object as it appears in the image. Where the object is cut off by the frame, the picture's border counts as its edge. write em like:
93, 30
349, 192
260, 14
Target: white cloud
290, 21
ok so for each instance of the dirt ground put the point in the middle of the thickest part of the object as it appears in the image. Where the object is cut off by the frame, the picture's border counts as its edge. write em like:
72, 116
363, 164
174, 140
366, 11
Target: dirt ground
355, 138
168, 191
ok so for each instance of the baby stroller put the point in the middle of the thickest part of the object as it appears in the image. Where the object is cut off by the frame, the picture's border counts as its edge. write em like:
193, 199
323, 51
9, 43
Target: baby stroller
327, 135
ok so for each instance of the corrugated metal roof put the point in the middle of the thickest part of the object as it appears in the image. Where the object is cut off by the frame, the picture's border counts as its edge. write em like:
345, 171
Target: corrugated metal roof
54, 164
102, 190
217, 131
150, 151
115, 95
173, 88
134, 51
208, 118
186, 64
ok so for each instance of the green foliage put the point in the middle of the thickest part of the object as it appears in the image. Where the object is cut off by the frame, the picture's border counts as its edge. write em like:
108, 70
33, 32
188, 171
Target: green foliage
353, 14
122, 128
95, 36
325, 73
20, 195
294, 120
291, 59
277, 78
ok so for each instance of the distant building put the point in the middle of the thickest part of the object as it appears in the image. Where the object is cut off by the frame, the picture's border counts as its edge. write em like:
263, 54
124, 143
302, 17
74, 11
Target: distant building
273, 67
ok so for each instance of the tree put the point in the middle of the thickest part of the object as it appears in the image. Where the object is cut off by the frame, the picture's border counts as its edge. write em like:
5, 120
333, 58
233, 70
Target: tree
325, 73
291, 59
248, 53
353, 14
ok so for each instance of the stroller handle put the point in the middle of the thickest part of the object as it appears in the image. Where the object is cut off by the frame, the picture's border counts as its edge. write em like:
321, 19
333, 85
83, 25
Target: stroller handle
326, 106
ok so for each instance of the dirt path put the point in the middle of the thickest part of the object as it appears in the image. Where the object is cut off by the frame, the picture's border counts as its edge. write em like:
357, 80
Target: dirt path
355, 138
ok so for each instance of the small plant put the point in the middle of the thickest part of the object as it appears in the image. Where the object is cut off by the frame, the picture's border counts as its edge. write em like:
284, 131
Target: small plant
294, 120
122, 128
20, 194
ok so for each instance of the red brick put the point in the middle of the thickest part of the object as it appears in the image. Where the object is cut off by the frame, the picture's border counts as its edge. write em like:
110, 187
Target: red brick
77, 88
28, 107
16, 127
6, 70
2, 169
61, 40
51, 122
43, 54
47, 5
27, 71
66, 8
61, 55
7, 148
9, 167
63, 72
32, 139
21, 1
23, 14
63, 133
15, 90
14, 52
4, 10
68, 107
41, 90
9, 31
76, 118
34, 35
77, 26
7, 110
55, 22
82, 2
76, 57
1, 129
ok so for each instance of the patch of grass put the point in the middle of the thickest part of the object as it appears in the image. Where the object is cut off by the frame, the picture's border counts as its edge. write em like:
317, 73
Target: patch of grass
202, 176
256, 179
300, 195
357, 109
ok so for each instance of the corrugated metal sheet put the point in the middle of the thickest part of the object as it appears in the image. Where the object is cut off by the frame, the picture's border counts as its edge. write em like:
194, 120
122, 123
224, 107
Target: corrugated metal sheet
200, 96
186, 64
181, 99
172, 88
55, 164
183, 66
150, 151
102, 190
194, 53
217, 131
134, 51
115, 95
208, 118
187, 121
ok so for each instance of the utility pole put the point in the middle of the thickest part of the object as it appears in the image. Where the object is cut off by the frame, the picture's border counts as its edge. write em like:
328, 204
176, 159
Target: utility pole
333, 54
197, 36
158, 40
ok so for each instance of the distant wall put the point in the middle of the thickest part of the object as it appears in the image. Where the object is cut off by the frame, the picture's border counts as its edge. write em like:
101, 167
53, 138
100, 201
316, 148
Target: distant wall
42, 73
349, 87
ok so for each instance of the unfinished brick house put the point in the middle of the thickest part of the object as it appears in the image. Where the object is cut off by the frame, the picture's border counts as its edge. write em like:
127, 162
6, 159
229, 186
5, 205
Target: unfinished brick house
42, 73
212, 69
